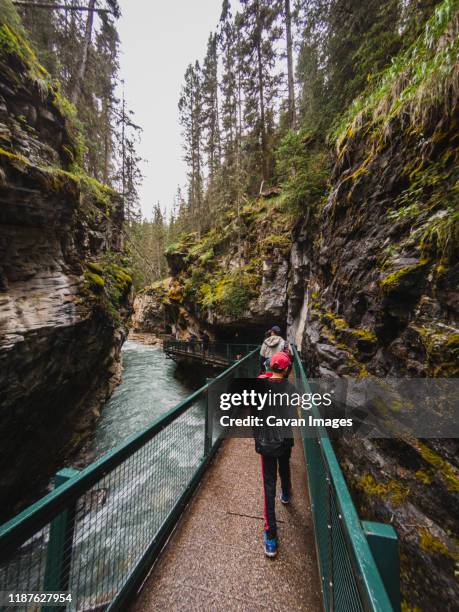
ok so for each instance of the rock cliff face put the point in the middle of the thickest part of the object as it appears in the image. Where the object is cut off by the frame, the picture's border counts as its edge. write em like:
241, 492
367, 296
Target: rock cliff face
149, 315
61, 285
377, 295
371, 298
233, 280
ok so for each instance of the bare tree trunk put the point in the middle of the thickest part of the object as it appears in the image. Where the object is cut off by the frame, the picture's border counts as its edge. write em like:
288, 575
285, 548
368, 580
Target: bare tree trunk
291, 87
107, 143
126, 206
261, 95
75, 94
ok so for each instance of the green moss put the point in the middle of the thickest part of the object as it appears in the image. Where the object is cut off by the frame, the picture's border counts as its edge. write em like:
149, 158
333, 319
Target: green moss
337, 322
407, 607
206, 256
95, 281
174, 247
10, 17
95, 267
432, 544
175, 294
363, 334
13, 156
109, 283
234, 296
393, 280
444, 469
123, 277
283, 242
452, 342
342, 329
395, 491
442, 349
230, 293
12, 43
424, 477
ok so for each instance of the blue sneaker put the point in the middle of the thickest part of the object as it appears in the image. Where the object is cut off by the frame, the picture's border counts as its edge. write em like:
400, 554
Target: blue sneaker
270, 546
285, 498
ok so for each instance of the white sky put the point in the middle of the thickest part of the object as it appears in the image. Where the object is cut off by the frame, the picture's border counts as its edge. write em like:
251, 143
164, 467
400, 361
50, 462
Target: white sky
159, 38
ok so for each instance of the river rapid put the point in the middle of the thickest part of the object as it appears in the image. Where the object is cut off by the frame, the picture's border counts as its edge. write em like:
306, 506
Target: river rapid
150, 387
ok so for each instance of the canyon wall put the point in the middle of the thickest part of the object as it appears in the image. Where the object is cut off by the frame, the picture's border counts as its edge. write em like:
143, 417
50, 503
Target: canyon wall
63, 291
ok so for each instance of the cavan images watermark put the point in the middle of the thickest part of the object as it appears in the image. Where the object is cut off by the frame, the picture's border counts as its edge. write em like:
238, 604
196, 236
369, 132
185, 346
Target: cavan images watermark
367, 407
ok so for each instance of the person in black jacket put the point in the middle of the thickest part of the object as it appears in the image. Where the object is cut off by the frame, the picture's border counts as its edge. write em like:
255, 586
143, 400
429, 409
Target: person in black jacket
274, 444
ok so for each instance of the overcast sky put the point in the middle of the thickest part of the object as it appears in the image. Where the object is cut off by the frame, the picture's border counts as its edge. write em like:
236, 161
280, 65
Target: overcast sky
159, 38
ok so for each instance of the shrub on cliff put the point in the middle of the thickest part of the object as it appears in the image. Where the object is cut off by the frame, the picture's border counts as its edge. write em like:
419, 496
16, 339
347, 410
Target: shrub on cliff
303, 167
229, 294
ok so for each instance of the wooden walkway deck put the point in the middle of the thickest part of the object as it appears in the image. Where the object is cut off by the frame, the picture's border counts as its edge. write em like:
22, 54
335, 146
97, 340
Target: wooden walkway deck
215, 560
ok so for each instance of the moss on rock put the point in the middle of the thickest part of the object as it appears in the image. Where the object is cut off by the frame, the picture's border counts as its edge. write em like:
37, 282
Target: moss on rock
95, 281
391, 489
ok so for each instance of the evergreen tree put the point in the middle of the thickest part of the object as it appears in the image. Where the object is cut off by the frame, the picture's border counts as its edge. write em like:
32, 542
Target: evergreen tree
191, 120
259, 23
289, 55
210, 111
361, 39
159, 235
129, 176
230, 88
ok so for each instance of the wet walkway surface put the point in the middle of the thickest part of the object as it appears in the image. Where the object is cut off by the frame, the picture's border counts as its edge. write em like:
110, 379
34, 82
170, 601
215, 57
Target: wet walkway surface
215, 560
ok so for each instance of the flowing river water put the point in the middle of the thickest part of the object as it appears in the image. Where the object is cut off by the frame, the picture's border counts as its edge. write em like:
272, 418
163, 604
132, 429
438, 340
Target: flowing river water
149, 388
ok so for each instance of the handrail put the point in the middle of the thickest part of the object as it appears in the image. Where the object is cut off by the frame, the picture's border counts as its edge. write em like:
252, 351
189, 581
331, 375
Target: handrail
369, 583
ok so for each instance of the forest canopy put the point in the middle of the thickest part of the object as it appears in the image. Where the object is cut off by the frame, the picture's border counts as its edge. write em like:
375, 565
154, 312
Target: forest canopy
257, 113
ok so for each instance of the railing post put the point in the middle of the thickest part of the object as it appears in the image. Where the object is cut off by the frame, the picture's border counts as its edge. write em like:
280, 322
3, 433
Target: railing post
57, 570
383, 542
208, 424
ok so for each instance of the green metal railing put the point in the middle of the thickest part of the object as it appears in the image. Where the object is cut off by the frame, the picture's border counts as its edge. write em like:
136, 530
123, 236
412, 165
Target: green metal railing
358, 561
97, 534
214, 352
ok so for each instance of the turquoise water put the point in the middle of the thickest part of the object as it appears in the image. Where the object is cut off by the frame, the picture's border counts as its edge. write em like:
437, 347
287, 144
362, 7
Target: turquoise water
148, 389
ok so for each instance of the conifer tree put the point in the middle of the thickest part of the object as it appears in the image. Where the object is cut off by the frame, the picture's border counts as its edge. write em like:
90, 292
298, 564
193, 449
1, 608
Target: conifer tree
210, 112
230, 106
158, 241
129, 176
259, 23
289, 55
191, 120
